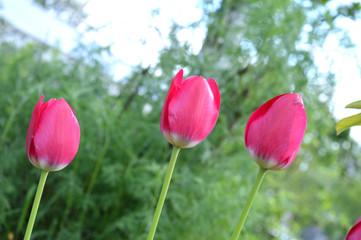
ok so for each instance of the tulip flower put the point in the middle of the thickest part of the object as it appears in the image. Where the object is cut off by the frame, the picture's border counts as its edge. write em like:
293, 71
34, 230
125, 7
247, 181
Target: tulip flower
190, 110
53, 135
273, 136
189, 114
51, 144
274, 132
355, 231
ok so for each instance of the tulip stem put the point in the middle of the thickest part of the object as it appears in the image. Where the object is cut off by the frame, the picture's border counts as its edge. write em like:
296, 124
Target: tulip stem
36, 203
163, 193
247, 207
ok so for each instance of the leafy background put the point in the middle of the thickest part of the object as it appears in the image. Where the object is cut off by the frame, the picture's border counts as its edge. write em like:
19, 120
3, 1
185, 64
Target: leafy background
110, 189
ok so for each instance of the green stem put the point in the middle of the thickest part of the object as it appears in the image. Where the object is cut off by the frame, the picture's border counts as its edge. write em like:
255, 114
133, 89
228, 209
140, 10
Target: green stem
163, 193
247, 207
36, 203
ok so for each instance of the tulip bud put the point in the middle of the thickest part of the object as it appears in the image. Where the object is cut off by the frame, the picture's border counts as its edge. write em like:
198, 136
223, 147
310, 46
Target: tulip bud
53, 135
355, 231
274, 132
190, 110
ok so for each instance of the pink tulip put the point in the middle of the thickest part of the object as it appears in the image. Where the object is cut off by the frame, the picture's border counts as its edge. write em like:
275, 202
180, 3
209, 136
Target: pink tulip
274, 132
53, 135
355, 231
190, 110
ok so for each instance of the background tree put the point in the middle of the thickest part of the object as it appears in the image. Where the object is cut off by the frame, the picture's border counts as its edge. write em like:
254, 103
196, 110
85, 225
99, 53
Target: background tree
255, 50
70, 10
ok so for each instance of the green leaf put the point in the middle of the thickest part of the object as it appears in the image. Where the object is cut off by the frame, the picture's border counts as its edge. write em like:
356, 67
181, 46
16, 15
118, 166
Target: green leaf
356, 104
348, 122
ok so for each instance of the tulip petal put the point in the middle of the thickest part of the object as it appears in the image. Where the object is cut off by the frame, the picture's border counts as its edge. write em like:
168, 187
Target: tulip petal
355, 231
57, 136
262, 110
175, 85
275, 131
33, 123
215, 92
173, 89
192, 112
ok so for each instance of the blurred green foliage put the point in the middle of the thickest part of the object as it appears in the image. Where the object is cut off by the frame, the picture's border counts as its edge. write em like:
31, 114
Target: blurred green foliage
354, 120
254, 50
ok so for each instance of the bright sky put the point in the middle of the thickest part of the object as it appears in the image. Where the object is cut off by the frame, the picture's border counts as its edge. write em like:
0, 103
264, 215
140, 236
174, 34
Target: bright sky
345, 64
137, 37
